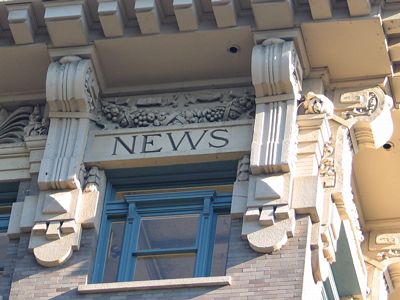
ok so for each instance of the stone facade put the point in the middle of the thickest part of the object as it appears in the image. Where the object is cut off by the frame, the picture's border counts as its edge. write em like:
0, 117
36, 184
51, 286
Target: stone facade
110, 87
276, 276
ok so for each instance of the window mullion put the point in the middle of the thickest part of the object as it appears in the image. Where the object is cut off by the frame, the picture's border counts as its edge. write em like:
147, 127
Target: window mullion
126, 268
203, 241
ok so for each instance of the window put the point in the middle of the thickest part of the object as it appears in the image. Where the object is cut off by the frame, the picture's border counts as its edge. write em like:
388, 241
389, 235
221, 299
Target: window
8, 194
163, 236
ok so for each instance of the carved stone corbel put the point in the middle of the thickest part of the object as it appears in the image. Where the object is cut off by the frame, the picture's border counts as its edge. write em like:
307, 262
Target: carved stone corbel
268, 219
62, 207
368, 113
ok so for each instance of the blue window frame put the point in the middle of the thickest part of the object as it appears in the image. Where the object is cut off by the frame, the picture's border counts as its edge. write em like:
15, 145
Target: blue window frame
8, 195
163, 235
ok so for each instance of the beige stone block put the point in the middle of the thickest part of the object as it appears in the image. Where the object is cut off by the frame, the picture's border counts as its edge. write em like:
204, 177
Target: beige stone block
320, 9
224, 13
111, 18
57, 203
22, 24
359, 7
239, 198
69, 226
54, 252
282, 212
272, 238
39, 228
53, 231
272, 15
315, 239
269, 190
66, 24
154, 284
51, 205
13, 230
28, 213
252, 214
308, 197
186, 15
89, 208
249, 227
147, 16
101, 144
267, 216
391, 23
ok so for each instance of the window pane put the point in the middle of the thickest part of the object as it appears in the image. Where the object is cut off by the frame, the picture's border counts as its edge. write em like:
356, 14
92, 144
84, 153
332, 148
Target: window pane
161, 232
221, 242
114, 251
165, 266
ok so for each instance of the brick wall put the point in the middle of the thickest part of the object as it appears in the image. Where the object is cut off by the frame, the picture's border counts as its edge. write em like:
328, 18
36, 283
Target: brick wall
254, 275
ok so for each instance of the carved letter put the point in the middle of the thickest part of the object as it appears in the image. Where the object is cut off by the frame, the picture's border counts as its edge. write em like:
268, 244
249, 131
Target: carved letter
219, 138
149, 142
130, 150
187, 134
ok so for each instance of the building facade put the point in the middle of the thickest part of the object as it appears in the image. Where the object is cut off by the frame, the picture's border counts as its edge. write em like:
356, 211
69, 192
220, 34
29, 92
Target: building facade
199, 149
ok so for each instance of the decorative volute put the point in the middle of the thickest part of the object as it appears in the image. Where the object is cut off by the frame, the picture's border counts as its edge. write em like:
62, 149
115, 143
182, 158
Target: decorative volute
62, 207
71, 93
276, 69
368, 113
268, 219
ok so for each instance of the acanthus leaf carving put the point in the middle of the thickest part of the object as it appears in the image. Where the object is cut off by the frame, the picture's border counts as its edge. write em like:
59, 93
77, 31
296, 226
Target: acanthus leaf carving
12, 124
38, 124
327, 165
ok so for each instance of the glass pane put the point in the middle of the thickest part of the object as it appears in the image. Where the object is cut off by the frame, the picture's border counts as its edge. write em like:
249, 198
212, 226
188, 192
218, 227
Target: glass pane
114, 251
221, 242
161, 232
165, 266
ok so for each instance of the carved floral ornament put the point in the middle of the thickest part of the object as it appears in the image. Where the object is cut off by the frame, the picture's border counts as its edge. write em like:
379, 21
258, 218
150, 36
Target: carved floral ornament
173, 109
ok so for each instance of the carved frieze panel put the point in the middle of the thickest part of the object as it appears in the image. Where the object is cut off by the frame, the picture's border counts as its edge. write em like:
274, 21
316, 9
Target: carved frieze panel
23, 121
177, 109
385, 244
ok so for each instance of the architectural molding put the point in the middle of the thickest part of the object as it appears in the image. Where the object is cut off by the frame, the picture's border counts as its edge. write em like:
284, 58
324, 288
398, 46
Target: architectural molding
276, 76
368, 112
268, 217
179, 108
60, 210
12, 124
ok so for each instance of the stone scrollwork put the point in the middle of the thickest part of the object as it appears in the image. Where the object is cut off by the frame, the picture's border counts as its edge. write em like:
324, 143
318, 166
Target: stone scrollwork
317, 104
368, 112
38, 124
327, 166
368, 104
22, 122
176, 109
268, 216
63, 207
12, 124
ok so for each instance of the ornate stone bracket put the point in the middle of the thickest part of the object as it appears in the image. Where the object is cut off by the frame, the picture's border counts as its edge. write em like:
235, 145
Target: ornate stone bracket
368, 113
268, 219
55, 217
